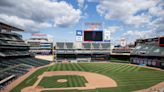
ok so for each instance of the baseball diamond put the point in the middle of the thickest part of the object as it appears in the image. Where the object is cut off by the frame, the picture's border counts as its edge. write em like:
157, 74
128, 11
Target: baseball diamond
128, 77
81, 45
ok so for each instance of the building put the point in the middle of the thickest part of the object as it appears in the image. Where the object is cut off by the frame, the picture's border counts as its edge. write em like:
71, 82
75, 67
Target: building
149, 52
40, 44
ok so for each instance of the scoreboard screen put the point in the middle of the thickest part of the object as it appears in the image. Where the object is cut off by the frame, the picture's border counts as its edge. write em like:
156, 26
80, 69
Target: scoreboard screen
161, 41
93, 35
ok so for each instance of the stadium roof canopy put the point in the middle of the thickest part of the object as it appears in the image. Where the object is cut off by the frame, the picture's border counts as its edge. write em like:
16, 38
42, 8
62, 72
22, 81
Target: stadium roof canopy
9, 27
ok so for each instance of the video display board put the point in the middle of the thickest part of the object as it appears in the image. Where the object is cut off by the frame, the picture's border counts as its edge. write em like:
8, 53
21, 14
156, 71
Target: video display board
95, 35
161, 41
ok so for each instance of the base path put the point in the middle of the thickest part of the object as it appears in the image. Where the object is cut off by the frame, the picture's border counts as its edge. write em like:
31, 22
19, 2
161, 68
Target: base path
94, 81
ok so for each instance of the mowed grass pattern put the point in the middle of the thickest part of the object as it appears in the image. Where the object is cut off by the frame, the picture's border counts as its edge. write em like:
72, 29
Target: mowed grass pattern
129, 78
72, 81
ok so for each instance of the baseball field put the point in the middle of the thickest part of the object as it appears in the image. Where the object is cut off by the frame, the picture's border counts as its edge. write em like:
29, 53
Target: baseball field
127, 77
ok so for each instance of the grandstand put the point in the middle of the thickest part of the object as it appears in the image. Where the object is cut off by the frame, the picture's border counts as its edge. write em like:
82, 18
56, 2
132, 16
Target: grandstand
90, 51
148, 52
15, 58
40, 44
122, 50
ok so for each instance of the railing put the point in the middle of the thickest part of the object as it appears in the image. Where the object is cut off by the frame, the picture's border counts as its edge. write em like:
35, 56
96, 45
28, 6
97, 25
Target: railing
76, 51
11, 33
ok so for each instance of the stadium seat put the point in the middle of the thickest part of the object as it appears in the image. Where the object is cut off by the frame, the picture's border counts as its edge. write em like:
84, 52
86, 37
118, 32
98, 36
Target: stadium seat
69, 45
60, 45
96, 45
87, 45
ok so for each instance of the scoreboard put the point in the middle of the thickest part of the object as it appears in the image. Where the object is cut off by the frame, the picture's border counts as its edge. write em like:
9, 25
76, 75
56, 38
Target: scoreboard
92, 36
161, 41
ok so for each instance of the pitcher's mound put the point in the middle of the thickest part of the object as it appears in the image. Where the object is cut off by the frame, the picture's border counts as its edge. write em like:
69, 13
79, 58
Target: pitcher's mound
62, 80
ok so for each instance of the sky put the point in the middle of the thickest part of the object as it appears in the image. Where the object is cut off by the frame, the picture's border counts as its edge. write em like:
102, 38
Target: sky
59, 19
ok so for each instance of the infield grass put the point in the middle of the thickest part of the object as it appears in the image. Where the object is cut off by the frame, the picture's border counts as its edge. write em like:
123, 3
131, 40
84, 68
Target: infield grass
72, 81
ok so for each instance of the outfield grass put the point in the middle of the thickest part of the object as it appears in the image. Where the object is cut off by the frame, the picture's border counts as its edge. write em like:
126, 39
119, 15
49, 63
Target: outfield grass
118, 60
129, 78
72, 81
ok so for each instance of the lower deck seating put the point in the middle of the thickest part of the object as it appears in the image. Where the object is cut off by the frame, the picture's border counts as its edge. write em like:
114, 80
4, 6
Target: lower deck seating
28, 61
10, 73
15, 70
17, 67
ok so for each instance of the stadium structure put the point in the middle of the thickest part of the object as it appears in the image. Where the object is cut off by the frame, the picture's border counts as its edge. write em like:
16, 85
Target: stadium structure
149, 52
15, 58
91, 45
21, 72
89, 52
121, 50
40, 44
122, 47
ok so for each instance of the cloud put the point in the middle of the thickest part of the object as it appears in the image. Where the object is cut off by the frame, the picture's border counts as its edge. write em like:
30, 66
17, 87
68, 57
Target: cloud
132, 35
26, 24
124, 10
112, 29
38, 14
81, 3
138, 20
95, 1
145, 18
